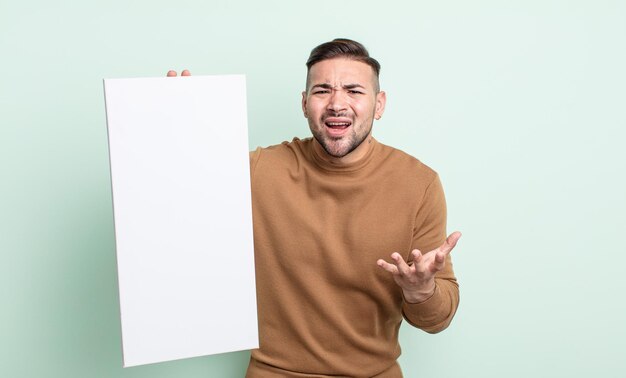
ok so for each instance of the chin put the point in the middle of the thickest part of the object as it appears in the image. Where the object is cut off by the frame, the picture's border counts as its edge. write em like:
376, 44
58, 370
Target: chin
337, 147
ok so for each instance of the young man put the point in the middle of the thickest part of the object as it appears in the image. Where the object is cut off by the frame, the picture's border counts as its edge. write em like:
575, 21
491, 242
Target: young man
327, 211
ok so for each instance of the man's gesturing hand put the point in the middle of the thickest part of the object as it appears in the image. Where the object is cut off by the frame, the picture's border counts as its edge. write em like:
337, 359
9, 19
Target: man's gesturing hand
418, 279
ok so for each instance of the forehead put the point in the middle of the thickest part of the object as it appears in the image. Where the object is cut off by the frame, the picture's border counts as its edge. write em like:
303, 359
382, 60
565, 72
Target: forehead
341, 71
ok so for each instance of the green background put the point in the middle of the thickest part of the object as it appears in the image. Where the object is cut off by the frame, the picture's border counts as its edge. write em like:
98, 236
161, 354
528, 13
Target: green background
519, 105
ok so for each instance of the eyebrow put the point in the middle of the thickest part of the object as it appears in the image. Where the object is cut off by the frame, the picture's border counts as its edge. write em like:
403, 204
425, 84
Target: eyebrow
352, 86
328, 86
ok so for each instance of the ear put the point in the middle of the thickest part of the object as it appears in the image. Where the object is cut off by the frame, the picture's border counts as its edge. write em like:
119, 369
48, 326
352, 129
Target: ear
304, 104
381, 100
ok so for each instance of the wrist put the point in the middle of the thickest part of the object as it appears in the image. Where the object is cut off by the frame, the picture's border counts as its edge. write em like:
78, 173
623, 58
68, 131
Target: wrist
418, 295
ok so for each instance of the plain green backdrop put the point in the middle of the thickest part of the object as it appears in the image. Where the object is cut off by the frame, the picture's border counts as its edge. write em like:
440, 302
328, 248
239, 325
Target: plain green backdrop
519, 105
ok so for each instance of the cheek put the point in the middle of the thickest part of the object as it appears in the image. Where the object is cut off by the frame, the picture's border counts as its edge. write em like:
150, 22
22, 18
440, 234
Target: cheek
363, 108
314, 108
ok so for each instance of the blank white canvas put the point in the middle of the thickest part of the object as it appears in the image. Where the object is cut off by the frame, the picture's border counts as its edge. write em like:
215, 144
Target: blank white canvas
183, 219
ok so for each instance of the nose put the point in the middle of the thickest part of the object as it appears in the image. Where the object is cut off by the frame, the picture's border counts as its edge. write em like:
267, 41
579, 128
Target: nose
337, 101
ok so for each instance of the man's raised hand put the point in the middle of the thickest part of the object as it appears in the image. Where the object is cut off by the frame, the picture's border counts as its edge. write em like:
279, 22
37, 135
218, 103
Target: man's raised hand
418, 279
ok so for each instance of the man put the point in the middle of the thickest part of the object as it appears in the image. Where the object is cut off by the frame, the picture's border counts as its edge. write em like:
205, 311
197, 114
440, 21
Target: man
327, 210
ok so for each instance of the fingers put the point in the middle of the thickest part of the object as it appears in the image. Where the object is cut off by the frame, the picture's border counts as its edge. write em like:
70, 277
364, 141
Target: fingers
450, 243
399, 266
439, 263
172, 73
444, 250
428, 264
386, 266
403, 267
434, 262
417, 257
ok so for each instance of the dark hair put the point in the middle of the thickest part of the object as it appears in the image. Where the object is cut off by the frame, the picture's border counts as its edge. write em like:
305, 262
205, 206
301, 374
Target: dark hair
342, 48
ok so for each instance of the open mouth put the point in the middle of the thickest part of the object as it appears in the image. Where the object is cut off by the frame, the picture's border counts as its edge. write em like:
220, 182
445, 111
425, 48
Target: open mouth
337, 126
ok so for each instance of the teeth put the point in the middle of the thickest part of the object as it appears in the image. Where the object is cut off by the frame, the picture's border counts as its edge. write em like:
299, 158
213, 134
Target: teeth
337, 123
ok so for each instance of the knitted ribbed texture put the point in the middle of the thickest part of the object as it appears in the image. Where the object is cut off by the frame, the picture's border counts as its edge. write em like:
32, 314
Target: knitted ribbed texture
325, 307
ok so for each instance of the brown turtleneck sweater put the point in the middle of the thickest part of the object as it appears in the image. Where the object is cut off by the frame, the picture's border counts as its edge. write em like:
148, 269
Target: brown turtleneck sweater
325, 308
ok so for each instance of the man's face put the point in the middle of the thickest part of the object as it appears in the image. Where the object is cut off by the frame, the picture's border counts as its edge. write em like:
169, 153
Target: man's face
340, 104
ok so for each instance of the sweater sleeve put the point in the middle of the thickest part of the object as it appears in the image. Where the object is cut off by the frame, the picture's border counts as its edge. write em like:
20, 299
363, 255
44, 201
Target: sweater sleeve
254, 159
434, 314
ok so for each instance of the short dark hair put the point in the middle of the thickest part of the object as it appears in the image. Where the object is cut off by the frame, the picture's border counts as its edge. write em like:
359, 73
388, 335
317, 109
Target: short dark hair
342, 48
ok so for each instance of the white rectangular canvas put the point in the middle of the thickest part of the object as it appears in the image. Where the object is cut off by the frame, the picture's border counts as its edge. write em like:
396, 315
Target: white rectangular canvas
183, 216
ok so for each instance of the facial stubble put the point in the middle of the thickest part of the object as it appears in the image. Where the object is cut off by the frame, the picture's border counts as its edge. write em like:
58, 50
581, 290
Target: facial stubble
343, 145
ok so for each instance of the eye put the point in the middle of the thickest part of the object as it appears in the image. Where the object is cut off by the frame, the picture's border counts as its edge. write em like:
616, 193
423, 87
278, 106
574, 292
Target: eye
321, 91
354, 91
